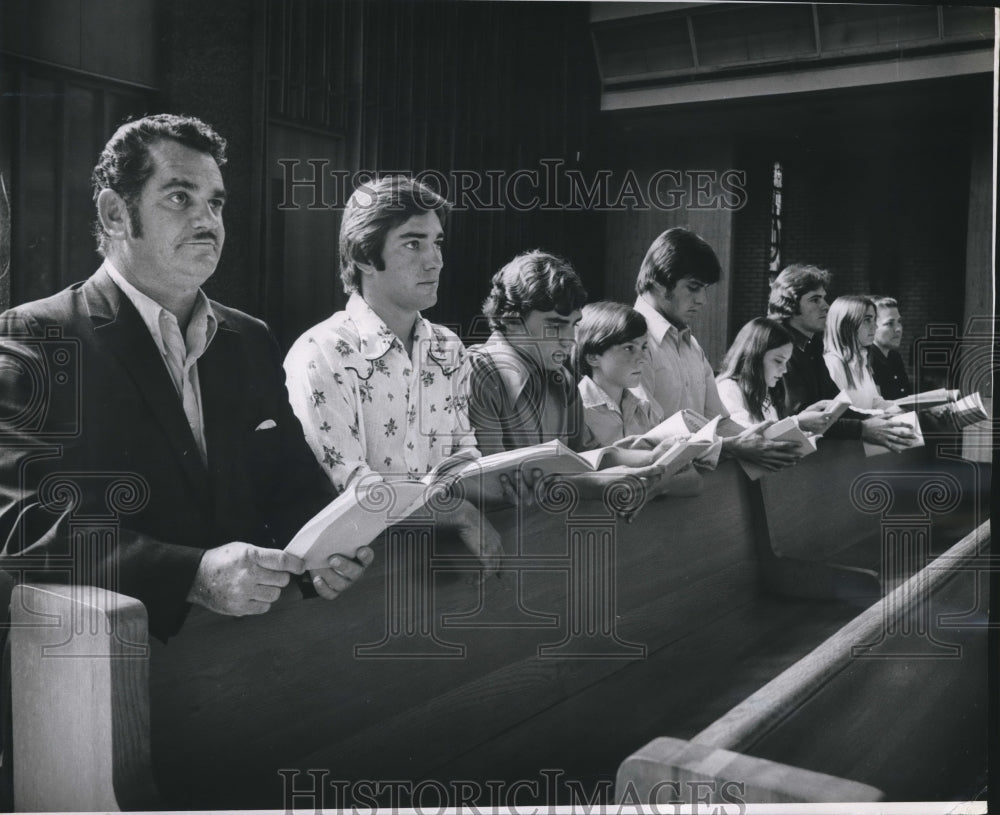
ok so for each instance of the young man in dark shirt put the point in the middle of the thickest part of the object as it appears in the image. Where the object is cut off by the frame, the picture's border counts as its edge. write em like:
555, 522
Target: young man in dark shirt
886, 362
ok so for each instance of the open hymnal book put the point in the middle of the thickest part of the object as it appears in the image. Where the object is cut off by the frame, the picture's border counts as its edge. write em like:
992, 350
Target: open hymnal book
786, 429
703, 445
838, 405
678, 426
911, 421
370, 505
928, 398
968, 410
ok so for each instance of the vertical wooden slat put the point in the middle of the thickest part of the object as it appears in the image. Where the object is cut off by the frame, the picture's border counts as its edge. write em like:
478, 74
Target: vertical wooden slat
60, 192
7, 138
17, 197
440, 86
258, 157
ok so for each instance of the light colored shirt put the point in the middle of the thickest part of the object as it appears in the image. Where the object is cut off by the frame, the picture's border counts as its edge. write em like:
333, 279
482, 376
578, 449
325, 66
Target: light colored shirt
609, 421
864, 392
369, 407
180, 353
679, 376
736, 403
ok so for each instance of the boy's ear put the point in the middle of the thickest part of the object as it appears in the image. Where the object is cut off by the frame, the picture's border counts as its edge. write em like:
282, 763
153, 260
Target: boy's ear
592, 359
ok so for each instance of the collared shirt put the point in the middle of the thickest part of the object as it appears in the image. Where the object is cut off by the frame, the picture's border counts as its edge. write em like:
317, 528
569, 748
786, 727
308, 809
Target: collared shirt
514, 403
180, 353
608, 421
863, 391
679, 376
889, 373
369, 407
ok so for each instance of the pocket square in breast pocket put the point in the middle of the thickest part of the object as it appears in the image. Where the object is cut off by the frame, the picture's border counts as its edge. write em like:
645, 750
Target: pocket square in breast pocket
267, 424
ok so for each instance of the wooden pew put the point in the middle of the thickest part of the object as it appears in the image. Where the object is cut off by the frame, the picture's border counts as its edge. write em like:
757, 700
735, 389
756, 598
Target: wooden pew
893, 706
598, 636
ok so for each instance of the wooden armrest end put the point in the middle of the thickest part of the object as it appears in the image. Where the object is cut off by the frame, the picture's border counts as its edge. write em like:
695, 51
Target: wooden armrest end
669, 770
80, 689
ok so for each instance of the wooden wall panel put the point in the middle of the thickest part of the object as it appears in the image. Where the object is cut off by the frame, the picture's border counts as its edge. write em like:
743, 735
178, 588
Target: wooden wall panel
118, 38
56, 123
42, 29
629, 232
7, 132
107, 38
446, 87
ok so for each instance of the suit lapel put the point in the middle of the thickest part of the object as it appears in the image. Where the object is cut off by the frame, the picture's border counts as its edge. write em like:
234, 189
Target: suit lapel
216, 372
121, 331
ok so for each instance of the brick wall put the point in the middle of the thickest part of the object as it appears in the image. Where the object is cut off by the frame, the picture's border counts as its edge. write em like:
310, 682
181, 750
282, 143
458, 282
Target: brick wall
886, 215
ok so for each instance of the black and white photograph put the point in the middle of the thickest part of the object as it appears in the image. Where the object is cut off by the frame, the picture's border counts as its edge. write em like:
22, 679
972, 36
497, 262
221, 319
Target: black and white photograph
497, 406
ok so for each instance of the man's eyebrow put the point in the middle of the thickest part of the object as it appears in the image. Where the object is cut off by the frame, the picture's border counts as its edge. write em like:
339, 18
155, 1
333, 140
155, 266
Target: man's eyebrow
185, 184
418, 234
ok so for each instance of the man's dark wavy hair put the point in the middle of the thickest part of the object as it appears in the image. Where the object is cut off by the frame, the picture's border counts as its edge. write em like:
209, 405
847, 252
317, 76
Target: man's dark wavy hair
373, 209
676, 254
125, 163
788, 288
533, 281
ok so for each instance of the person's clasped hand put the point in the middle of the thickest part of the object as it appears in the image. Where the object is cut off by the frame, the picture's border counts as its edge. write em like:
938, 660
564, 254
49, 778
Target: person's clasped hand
767, 453
887, 433
239, 578
341, 574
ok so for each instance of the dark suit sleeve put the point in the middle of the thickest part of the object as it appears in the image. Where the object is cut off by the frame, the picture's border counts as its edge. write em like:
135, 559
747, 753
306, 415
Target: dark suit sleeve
47, 489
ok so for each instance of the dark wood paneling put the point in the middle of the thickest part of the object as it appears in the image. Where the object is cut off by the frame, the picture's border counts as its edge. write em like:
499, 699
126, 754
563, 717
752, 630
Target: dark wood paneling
114, 39
35, 199
118, 39
42, 29
55, 124
207, 71
7, 134
448, 87
629, 232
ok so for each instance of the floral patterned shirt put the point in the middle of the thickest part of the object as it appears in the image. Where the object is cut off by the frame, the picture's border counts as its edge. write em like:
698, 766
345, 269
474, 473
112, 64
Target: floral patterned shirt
367, 406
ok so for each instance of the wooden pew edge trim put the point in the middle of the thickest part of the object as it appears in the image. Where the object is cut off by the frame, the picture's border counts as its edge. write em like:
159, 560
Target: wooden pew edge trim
760, 712
688, 770
73, 629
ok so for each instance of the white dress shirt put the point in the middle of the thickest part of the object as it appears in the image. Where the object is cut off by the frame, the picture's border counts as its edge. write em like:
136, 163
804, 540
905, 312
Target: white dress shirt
180, 352
679, 376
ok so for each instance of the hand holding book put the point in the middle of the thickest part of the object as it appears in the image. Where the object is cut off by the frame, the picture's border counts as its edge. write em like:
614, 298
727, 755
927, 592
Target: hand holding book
785, 430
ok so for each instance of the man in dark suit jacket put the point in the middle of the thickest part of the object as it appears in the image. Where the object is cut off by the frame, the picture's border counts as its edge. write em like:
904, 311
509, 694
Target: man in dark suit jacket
133, 402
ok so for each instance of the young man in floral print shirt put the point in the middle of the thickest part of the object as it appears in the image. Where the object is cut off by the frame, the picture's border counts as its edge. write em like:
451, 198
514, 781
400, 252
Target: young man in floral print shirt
376, 385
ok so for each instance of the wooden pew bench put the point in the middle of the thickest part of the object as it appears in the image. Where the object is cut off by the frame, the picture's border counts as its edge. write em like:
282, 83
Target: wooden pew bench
598, 636
893, 706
